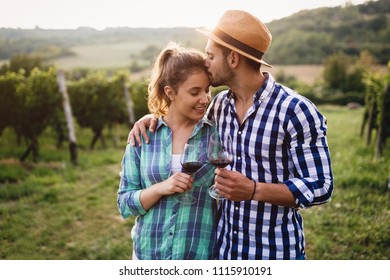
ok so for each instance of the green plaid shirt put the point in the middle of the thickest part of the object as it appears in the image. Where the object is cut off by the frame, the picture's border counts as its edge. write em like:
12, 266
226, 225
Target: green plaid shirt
168, 230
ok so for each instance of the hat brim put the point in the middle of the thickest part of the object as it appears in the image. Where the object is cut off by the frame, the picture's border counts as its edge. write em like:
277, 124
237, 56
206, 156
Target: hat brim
215, 38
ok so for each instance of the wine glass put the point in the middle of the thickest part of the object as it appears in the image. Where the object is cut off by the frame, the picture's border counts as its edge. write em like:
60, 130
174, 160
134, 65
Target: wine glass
191, 161
220, 154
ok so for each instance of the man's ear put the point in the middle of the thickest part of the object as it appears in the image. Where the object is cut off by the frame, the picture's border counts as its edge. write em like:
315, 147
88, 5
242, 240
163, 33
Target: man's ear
233, 58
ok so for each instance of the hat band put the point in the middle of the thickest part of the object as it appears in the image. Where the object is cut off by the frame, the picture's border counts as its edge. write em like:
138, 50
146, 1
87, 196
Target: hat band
239, 45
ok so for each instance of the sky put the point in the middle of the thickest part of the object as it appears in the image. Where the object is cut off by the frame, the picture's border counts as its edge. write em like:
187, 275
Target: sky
101, 14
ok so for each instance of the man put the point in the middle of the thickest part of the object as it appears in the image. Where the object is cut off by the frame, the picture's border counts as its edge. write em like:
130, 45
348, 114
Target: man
281, 161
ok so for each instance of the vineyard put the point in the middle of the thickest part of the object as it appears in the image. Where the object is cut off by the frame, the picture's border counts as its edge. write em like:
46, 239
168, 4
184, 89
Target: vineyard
54, 210
30, 104
63, 131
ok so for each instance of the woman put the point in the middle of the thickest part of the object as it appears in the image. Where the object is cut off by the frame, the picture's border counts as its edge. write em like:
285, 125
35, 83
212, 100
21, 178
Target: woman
151, 174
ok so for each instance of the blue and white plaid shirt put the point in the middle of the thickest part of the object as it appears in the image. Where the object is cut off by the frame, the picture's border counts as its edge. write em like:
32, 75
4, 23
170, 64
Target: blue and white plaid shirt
281, 140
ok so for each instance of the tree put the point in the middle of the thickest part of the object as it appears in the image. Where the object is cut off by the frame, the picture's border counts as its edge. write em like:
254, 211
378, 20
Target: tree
343, 73
138, 92
26, 63
376, 115
39, 100
9, 101
97, 102
336, 71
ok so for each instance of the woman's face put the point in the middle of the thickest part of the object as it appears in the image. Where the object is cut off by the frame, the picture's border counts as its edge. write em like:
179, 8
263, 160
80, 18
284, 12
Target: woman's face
192, 96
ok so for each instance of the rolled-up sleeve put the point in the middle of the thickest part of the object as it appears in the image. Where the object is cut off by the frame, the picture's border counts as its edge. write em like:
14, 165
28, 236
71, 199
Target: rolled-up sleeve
130, 187
313, 181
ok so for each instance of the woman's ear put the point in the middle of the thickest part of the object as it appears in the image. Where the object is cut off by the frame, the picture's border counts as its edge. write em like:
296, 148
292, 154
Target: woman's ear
169, 92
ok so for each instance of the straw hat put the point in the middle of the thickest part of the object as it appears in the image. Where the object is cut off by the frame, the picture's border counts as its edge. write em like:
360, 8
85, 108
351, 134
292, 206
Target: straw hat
243, 33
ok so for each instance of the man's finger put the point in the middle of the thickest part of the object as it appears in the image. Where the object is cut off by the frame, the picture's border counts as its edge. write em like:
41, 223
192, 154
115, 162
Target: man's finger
144, 134
130, 139
153, 124
134, 135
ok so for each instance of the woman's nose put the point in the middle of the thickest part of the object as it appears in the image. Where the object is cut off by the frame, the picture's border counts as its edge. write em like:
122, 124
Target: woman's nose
205, 98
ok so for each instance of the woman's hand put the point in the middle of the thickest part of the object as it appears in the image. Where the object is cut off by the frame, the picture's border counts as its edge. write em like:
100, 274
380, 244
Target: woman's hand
177, 183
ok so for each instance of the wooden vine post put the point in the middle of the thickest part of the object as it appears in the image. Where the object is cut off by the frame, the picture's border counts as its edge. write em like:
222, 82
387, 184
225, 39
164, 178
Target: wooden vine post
68, 116
129, 104
377, 114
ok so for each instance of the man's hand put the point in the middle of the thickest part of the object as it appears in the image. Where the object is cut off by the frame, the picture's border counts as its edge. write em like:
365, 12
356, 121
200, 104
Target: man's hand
233, 185
139, 129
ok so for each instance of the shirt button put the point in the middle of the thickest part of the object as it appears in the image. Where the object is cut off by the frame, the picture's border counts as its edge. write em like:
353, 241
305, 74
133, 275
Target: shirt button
236, 208
239, 158
239, 132
235, 232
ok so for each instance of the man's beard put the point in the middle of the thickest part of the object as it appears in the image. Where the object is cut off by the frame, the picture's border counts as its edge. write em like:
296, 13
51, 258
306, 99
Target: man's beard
214, 82
222, 77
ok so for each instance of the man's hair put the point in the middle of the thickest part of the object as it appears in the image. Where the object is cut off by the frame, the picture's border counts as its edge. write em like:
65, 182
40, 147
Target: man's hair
251, 63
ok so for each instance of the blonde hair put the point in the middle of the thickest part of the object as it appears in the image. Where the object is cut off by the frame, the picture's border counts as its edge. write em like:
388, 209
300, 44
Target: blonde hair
172, 67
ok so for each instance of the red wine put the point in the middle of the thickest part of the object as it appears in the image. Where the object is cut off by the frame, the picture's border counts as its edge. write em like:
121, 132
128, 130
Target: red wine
192, 167
220, 162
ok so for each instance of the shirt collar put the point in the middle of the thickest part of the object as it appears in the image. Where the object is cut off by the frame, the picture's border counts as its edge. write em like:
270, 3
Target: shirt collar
262, 92
200, 123
267, 88
160, 122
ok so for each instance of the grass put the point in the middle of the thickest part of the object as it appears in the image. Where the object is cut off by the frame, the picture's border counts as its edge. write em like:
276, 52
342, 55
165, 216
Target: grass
52, 210
355, 224
65, 214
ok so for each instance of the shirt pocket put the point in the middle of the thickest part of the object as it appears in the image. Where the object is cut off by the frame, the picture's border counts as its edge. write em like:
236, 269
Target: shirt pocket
155, 164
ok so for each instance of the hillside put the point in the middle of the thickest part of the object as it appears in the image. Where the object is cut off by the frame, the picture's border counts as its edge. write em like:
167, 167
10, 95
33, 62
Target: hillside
307, 37
54, 43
